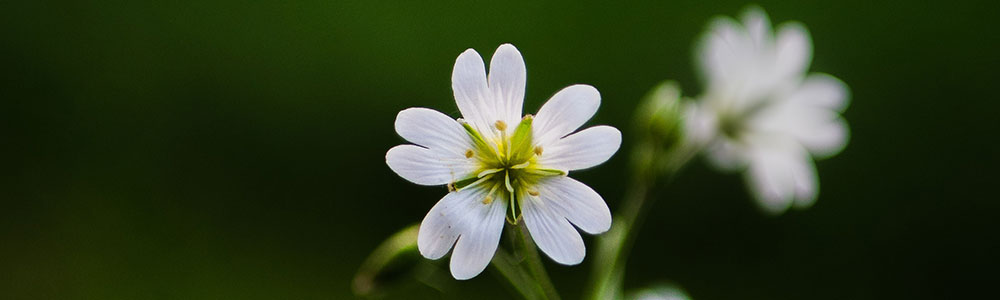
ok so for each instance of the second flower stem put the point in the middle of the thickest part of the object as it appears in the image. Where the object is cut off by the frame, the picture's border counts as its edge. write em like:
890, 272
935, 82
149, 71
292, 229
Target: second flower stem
614, 246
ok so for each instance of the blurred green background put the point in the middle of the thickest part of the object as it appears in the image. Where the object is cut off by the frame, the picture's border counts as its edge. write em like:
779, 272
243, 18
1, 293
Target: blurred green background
235, 149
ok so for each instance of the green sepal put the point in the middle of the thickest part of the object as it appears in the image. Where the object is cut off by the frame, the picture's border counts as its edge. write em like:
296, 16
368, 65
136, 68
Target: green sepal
520, 143
482, 148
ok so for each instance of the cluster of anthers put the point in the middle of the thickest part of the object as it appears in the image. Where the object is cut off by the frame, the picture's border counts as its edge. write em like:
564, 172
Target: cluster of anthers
508, 166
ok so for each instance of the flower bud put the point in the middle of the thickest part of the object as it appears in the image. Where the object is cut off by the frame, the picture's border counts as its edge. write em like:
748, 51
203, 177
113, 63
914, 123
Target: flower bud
667, 143
660, 113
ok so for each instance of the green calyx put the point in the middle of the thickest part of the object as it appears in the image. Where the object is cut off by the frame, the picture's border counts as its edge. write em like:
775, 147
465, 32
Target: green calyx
508, 167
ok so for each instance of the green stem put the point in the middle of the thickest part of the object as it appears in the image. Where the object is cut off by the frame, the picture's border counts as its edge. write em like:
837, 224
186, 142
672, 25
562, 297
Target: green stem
509, 268
523, 268
533, 262
614, 246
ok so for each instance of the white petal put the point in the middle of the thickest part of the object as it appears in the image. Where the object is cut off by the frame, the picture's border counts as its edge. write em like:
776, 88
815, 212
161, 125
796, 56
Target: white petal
581, 150
479, 238
427, 167
700, 123
822, 90
780, 174
552, 232
472, 94
446, 220
432, 129
758, 26
727, 154
577, 202
725, 54
821, 131
506, 80
793, 51
809, 116
566, 111
824, 133
462, 216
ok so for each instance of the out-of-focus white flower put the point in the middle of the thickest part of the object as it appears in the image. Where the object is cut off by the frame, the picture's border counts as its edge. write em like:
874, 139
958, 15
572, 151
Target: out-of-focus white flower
662, 291
761, 113
497, 163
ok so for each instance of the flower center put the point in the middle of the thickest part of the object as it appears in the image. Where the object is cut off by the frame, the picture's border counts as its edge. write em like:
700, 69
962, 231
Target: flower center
733, 122
508, 165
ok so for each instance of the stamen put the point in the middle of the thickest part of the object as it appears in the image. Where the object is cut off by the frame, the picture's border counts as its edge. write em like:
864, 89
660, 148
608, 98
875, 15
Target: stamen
488, 172
538, 150
513, 212
469, 153
500, 125
533, 192
489, 196
451, 187
521, 165
510, 188
478, 181
544, 171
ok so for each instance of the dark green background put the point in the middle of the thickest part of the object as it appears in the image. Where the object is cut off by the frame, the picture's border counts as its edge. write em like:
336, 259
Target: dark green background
235, 149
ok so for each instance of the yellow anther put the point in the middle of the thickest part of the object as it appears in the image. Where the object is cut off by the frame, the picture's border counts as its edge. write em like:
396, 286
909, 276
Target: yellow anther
451, 187
488, 200
533, 192
469, 153
500, 125
538, 150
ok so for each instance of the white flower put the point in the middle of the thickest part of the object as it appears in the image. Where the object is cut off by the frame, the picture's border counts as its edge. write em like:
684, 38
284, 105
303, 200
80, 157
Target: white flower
498, 164
761, 113
661, 291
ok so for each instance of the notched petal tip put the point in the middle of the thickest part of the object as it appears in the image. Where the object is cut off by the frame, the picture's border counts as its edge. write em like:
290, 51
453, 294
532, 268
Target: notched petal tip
584, 149
460, 272
794, 27
427, 253
587, 90
825, 90
470, 61
508, 47
615, 136
564, 112
754, 13
469, 51
508, 58
408, 113
793, 47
